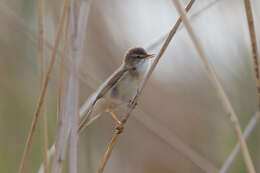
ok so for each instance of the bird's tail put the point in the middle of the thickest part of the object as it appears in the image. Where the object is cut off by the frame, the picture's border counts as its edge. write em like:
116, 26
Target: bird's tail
87, 121
93, 109
88, 105
86, 110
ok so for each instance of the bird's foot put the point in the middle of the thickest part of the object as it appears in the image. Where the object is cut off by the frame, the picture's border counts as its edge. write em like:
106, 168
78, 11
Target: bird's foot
119, 129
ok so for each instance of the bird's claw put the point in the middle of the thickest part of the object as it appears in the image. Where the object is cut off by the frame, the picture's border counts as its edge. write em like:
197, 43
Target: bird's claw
118, 129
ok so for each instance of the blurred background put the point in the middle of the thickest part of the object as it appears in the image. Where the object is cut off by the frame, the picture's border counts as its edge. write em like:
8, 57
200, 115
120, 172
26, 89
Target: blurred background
179, 122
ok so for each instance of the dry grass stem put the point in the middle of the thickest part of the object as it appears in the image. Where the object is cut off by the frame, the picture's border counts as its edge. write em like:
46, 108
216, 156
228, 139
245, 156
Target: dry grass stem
249, 128
74, 83
251, 26
82, 22
72, 20
42, 74
220, 91
43, 89
62, 70
62, 65
134, 102
69, 107
57, 165
108, 153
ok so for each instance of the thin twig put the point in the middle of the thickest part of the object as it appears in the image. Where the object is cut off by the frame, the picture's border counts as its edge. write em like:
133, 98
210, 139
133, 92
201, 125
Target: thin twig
43, 89
249, 128
255, 118
134, 102
251, 27
219, 89
42, 73
108, 152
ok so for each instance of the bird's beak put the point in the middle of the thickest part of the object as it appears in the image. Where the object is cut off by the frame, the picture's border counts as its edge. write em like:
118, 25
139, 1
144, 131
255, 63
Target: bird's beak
149, 56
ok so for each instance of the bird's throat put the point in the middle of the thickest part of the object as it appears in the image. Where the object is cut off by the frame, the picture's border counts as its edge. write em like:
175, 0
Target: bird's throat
139, 70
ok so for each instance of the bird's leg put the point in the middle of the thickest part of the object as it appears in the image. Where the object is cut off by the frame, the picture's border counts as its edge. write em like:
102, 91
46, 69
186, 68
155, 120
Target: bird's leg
114, 116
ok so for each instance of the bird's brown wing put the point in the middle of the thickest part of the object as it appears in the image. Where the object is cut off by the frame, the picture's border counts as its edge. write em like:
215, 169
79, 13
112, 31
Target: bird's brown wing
100, 92
111, 81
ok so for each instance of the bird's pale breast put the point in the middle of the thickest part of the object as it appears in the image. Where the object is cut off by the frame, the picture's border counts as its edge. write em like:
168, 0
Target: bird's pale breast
126, 88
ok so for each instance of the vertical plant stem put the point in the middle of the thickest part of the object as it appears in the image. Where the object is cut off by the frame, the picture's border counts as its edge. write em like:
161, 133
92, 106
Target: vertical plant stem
219, 89
74, 52
134, 102
42, 73
57, 166
251, 27
44, 88
68, 129
62, 66
83, 16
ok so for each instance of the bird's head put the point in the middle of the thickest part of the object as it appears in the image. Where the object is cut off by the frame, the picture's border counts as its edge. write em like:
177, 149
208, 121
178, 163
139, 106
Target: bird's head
135, 56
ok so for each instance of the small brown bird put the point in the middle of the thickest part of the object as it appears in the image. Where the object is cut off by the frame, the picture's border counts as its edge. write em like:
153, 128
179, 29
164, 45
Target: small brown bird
119, 88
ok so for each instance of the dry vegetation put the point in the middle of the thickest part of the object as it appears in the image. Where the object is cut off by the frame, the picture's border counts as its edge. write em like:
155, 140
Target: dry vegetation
201, 90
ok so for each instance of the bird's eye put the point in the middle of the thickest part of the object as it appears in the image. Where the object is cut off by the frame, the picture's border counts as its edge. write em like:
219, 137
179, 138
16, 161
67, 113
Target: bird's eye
138, 56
